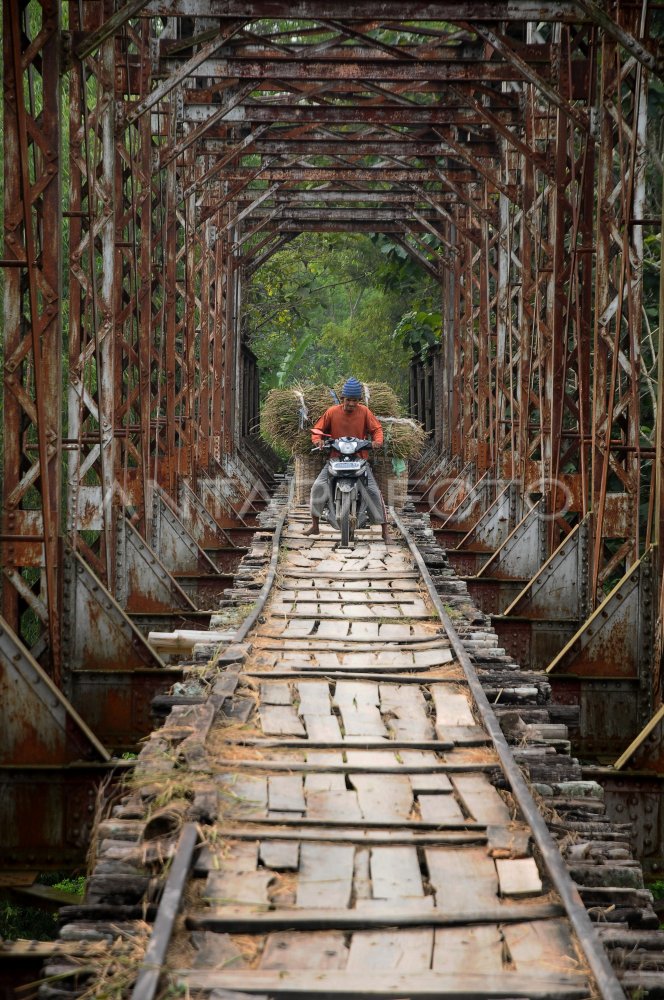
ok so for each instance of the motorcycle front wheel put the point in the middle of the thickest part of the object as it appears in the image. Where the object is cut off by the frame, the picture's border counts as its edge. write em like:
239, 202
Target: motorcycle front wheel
344, 520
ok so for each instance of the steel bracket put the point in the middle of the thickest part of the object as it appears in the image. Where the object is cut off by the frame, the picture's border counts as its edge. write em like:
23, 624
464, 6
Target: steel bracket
174, 544
96, 632
523, 551
143, 583
614, 646
560, 588
207, 532
40, 725
497, 520
473, 504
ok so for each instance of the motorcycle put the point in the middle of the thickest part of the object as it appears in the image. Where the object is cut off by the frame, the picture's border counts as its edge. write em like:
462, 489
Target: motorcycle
349, 504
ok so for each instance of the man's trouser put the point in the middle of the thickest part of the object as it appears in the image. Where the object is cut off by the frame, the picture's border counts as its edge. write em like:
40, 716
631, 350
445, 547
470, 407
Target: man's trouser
320, 496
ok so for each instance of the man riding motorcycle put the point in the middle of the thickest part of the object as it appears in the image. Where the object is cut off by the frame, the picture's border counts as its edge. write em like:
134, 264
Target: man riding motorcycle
349, 419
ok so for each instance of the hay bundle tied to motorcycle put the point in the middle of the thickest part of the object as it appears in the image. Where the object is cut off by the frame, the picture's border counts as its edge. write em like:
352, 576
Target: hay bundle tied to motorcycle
289, 414
402, 438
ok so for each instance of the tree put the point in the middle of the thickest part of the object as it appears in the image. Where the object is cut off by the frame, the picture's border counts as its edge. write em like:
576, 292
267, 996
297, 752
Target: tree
329, 305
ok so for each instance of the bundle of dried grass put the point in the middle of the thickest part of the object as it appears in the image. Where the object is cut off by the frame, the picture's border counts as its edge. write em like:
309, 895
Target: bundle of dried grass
403, 438
379, 397
288, 413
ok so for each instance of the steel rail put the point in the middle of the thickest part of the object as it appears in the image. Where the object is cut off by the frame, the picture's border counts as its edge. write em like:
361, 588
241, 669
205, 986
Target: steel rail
169, 907
264, 593
609, 987
151, 967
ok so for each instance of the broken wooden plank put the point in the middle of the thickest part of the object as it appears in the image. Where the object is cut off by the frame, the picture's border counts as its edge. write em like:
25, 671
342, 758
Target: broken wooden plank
395, 873
439, 809
285, 793
481, 799
463, 880
280, 855
405, 950
385, 797
275, 693
406, 711
249, 888
548, 945
325, 876
458, 949
278, 720
518, 877
452, 709
318, 950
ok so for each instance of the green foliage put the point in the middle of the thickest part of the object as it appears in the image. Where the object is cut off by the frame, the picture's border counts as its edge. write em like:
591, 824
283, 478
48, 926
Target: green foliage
419, 331
29, 922
75, 885
328, 305
35, 922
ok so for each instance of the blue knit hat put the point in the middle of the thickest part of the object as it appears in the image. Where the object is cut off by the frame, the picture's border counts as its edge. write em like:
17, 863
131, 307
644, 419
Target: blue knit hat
352, 389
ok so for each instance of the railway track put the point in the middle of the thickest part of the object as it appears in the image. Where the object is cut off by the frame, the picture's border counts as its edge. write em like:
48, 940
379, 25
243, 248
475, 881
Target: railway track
343, 815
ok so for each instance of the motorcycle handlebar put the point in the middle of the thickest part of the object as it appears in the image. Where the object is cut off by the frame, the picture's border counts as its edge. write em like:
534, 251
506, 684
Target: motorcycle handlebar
328, 445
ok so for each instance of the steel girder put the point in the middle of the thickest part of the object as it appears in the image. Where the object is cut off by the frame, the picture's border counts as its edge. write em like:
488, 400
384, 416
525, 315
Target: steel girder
204, 140
31, 526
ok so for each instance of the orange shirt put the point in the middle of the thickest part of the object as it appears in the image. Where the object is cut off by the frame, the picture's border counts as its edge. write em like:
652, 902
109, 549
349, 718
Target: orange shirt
361, 423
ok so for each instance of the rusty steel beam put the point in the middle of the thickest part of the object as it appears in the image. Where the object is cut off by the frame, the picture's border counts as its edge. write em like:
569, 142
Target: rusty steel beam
429, 56
199, 110
92, 466
325, 146
353, 174
183, 72
173, 149
31, 487
632, 43
86, 46
618, 310
503, 46
514, 69
384, 10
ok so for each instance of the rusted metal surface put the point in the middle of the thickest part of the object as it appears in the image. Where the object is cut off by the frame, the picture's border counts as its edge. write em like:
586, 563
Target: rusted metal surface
513, 135
492, 595
47, 813
31, 484
117, 703
636, 798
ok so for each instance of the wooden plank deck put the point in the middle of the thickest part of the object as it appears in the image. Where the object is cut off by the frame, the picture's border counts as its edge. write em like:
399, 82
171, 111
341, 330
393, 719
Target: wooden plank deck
361, 848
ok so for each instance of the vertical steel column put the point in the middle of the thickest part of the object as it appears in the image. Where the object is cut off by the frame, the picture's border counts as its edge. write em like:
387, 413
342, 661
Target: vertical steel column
191, 318
216, 403
206, 340
134, 275
618, 302
30, 526
91, 440
170, 308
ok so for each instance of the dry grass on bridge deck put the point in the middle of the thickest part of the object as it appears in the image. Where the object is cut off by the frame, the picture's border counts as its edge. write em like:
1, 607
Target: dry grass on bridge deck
360, 847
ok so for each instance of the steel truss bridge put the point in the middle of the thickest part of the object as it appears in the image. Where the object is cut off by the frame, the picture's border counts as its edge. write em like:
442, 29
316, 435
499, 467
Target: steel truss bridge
156, 153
